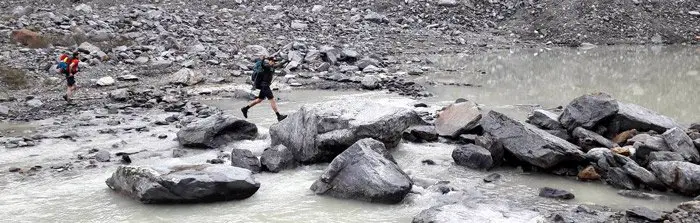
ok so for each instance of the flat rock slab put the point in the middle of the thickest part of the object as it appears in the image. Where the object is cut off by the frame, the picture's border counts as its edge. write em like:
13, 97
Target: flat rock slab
366, 171
631, 116
184, 183
215, 131
644, 213
457, 119
530, 144
319, 132
549, 192
545, 120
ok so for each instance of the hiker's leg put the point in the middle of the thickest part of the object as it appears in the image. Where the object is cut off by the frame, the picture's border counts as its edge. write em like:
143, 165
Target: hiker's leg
255, 102
273, 104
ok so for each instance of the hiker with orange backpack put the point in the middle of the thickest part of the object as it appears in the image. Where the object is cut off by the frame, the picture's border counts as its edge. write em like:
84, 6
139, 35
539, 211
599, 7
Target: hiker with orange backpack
68, 65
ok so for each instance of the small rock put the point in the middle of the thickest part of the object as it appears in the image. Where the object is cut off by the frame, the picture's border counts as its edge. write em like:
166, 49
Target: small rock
128, 77
126, 159
370, 82
588, 173
141, 60
102, 156
177, 153
4, 111
473, 156
317, 8
243, 158
415, 72
625, 151
35, 103
106, 81
549, 192
15, 169
492, 177
420, 105
638, 194
215, 161
644, 213
447, 3
428, 162
622, 138
162, 136
298, 25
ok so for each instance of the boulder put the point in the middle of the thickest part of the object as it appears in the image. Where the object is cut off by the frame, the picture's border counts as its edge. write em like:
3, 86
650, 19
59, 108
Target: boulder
376, 17
457, 119
318, 132
35, 103
245, 159
422, 133
473, 156
618, 178
664, 156
184, 183
642, 175
28, 38
88, 48
215, 131
370, 82
102, 156
631, 116
683, 177
4, 111
447, 3
277, 158
584, 135
679, 142
106, 81
494, 147
187, 77
654, 143
549, 192
588, 174
545, 120
529, 144
366, 171
644, 213
349, 55
588, 110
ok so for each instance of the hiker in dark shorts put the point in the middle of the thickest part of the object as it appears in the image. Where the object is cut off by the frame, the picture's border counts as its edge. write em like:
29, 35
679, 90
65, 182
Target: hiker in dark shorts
263, 81
68, 66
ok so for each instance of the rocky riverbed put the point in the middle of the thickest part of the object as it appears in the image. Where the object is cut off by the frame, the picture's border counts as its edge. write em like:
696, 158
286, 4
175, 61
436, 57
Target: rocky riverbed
145, 126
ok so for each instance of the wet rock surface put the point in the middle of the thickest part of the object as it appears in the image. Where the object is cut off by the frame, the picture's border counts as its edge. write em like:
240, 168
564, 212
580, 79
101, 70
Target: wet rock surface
365, 171
555, 193
457, 119
473, 156
245, 159
184, 183
277, 158
216, 131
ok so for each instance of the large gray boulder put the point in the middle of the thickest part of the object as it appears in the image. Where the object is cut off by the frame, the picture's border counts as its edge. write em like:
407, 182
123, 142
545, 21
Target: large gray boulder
366, 171
184, 183
683, 177
544, 119
245, 159
277, 158
215, 131
528, 143
631, 116
457, 119
679, 142
186, 77
588, 110
473, 156
319, 132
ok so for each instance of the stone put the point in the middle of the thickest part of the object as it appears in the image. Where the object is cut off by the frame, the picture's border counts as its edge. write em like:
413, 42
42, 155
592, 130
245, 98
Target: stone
545, 120
4, 111
469, 211
370, 82
371, 69
586, 135
317, 8
682, 177
298, 25
588, 110
679, 142
128, 77
664, 156
457, 119
366, 62
642, 175
529, 144
102, 156
88, 48
366, 171
330, 54
120, 95
638, 195
349, 55
323, 67
277, 158
494, 147
473, 157
83, 8
376, 17
625, 151
215, 131
447, 3
319, 132
141, 60
184, 183
14, 169
492, 178
215, 161
177, 153
588, 174
644, 213
186, 77
549, 192
245, 159
423, 133
469, 139
654, 143
618, 178
622, 137
35, 103
416, 72
631, 116
106, 81
28, 38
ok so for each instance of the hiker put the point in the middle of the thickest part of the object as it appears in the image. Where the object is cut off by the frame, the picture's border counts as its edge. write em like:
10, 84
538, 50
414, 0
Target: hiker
69, 67
262, 79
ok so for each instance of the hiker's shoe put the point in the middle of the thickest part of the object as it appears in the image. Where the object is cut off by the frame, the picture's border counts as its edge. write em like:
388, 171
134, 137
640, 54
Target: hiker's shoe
65, 97
281, 117
245, 112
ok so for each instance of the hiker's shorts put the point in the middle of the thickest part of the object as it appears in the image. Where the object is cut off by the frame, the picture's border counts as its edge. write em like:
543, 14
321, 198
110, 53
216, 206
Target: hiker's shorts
266, 93
70, 80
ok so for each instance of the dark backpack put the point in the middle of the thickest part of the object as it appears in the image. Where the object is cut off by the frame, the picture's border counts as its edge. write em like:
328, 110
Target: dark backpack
63, 67
257, 69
